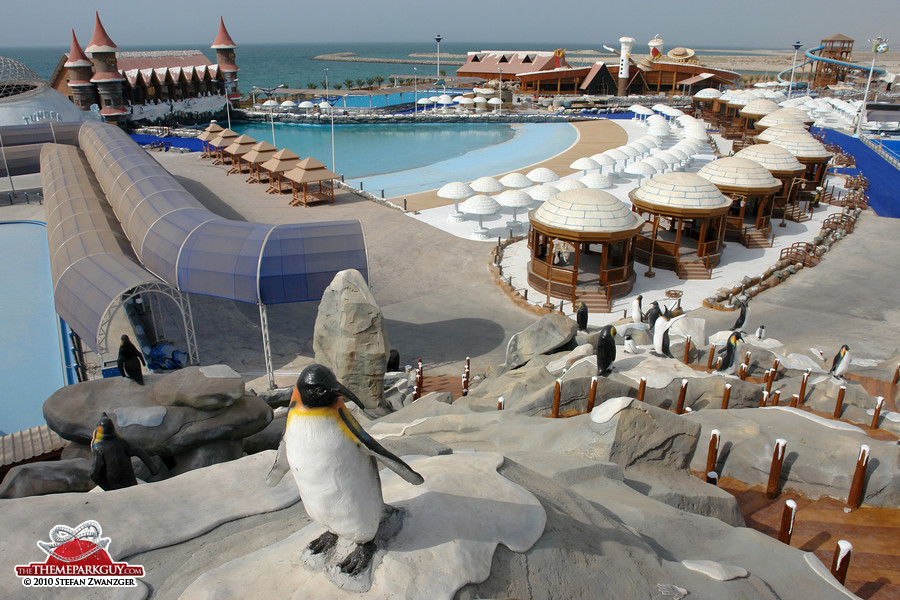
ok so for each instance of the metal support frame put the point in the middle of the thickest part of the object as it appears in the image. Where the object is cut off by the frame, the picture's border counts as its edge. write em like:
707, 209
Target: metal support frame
267, 348
181, 300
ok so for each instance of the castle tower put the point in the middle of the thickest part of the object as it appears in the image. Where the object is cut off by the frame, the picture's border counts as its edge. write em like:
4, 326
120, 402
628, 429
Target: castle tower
224, 47
106, 74
80, 70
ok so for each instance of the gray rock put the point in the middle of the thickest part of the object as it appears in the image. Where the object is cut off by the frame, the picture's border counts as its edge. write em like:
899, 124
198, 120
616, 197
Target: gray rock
277, 397
75, 450
207, 388
350, 337
645, 435
148, 416
684, 491
47, 477
267, 439
208, 454
73, 411
545, 335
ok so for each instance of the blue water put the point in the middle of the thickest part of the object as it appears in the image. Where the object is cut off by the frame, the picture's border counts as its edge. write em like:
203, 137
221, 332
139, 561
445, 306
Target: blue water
363, 150
31, 364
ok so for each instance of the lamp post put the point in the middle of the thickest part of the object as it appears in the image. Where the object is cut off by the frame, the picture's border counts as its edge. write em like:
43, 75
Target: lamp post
879, 45
438, 39
226, 85
269, 92
797, 45
331, 110
416, 92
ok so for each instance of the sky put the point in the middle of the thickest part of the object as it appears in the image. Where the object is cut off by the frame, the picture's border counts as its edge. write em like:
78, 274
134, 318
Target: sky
696, 23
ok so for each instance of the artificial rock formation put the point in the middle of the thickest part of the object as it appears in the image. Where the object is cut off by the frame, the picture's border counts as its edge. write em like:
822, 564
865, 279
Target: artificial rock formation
350, 337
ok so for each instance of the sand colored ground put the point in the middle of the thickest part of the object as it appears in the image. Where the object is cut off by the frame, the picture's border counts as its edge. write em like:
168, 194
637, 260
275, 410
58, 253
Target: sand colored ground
593, 137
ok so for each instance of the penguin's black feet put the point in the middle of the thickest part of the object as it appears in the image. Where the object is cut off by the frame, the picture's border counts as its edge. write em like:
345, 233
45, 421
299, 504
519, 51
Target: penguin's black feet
323, 543
359, 559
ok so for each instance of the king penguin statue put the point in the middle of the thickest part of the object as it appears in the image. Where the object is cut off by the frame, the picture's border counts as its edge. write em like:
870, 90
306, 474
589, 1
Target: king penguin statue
333, 461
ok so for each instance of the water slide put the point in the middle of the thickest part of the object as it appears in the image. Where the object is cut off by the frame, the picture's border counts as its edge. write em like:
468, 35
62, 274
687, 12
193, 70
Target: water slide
813, 58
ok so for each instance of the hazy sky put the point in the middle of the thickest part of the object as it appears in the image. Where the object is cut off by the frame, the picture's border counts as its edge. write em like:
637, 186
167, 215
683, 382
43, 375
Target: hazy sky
699, 23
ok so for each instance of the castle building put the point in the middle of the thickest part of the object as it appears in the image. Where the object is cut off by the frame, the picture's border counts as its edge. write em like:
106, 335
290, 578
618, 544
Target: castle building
130, 85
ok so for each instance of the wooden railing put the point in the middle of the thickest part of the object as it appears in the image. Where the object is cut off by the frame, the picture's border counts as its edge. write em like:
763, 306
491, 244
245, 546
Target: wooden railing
804, 253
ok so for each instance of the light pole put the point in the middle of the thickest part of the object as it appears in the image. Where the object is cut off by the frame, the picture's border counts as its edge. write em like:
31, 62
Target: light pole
797, 45
416, 92
269, 93
879, 45
438, 39
226, 85
331, 110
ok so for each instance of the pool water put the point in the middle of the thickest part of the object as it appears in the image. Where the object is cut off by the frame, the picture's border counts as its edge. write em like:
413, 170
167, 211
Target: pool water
364, 150
31, 364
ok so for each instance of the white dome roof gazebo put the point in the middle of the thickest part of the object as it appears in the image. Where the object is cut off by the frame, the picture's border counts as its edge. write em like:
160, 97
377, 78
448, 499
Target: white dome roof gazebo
696, 211
809, 151
582, 247
785, 167
752, 187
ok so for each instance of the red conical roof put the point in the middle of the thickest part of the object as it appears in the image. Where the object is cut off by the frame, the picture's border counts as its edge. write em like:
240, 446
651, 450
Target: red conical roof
100, 41
223, 40
77, 57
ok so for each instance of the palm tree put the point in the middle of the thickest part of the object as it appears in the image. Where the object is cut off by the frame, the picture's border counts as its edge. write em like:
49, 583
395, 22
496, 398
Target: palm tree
360, 83
370, 81
337, 86
312, 85
379, 79
348, 83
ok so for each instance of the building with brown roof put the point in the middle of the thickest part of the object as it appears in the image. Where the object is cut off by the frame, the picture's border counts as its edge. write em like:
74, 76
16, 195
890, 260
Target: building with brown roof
125, 84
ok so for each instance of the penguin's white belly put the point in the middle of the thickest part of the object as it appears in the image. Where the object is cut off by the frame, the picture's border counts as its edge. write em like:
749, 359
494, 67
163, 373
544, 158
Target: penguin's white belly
338, 480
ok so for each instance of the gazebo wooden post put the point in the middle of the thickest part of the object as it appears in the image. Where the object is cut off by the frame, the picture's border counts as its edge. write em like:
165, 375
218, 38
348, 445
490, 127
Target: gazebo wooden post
649, 272
575, 272
701, 246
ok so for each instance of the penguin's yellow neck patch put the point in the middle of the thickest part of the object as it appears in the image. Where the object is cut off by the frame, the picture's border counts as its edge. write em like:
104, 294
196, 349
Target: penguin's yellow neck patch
300, 411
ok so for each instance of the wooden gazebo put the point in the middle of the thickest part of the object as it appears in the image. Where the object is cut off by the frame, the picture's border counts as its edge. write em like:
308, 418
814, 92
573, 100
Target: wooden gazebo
752, 188
207, 136
257, 155
218, 144
782, 116
685, 227
703, 102
787, 169
310, 171
281, 162
811, 153
754, 111
582, 247
238, 148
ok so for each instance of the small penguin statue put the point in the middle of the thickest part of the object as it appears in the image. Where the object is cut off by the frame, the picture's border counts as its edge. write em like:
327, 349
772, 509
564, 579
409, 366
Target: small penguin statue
606, 350
637, 313
130, 360
630, 346
333, 461
581, 317
730, 351
742, 318
653, 314
111, 457
841, 362
761, 332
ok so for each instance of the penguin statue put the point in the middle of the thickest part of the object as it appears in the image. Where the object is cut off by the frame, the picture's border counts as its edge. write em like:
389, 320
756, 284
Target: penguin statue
653, 314
130, 360
333, 461
742, 318
606, 350
667, 313
661, 336
761, 332
730, 351
393, 363
637, 313
111, 456
841, 362
630, 346
581, 317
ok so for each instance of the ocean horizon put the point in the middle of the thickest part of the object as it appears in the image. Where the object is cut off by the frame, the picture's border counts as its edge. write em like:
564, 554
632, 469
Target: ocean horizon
269, 65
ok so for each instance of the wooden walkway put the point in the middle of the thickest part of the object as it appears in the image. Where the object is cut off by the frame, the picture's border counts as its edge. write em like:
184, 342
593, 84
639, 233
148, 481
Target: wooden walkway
874, 572
593, 136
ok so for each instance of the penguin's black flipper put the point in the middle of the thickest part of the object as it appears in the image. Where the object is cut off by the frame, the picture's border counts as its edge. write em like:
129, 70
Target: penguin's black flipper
834, 363
98, 473
280, 467
135, 450
388, 458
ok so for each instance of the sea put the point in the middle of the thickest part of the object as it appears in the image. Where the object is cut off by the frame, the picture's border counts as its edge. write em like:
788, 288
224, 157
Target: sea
270, 65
